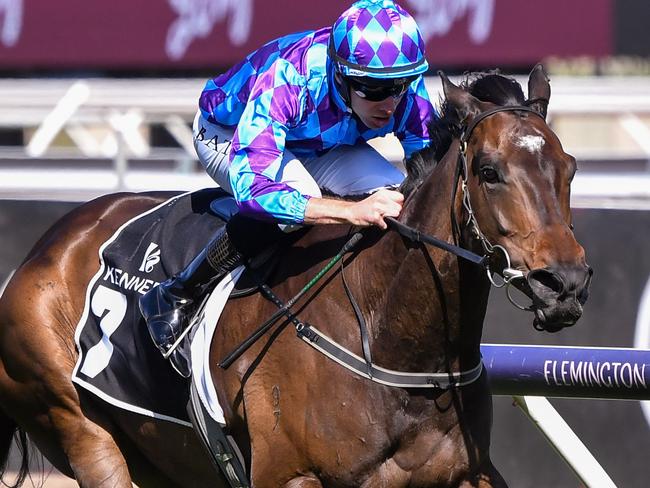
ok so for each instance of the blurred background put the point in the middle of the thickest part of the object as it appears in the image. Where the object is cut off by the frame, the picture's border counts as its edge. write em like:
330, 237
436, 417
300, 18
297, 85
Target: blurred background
98, 97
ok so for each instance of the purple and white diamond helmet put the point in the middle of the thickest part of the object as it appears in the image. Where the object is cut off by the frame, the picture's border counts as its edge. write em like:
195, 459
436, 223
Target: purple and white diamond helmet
377, 39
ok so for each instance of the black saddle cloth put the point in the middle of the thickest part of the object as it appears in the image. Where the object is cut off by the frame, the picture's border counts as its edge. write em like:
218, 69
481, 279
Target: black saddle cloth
117, 359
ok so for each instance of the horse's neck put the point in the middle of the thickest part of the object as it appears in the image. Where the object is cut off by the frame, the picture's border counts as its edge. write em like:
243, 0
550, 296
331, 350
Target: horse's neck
424, 306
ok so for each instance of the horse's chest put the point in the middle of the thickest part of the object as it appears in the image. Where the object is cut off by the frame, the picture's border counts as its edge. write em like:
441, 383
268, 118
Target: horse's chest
430, 459
397, 449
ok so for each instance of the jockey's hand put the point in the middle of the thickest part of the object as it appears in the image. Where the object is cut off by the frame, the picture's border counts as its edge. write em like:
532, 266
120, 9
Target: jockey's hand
372, 210
369, 211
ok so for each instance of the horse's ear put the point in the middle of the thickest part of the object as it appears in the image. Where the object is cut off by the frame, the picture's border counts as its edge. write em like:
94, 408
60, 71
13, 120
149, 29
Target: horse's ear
539, 90
465, 104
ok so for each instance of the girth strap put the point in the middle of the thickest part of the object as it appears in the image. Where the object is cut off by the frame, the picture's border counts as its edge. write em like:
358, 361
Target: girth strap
215, 441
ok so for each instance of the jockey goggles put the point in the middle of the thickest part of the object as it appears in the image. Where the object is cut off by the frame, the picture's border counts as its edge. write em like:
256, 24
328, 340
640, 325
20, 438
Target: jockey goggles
375, 90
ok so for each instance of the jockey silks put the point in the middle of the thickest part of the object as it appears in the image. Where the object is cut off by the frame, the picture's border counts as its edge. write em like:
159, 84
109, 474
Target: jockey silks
283, 96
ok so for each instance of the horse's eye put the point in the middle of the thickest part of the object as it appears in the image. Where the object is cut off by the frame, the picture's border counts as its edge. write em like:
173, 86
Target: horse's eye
489, 174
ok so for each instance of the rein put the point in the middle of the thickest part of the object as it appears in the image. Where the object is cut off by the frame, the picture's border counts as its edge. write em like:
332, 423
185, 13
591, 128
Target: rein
414, 235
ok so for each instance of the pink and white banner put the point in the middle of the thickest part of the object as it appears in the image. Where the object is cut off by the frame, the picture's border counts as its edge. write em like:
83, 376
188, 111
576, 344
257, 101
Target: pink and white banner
178, 34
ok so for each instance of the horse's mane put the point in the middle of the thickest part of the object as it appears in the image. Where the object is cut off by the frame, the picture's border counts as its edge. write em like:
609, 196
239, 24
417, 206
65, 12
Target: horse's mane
488, 86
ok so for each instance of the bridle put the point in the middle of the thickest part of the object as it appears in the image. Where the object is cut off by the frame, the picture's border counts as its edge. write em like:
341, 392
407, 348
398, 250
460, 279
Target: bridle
491, 251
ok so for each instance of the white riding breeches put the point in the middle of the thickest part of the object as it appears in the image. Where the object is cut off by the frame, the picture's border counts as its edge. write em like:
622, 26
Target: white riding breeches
344, 170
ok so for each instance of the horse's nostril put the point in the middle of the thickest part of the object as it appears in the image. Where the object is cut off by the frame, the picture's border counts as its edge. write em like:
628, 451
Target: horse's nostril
543, 279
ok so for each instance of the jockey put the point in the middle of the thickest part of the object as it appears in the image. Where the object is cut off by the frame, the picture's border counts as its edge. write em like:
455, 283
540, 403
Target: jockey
294, 117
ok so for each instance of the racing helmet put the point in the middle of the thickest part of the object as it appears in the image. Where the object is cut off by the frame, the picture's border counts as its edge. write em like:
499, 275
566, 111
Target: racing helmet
377, 39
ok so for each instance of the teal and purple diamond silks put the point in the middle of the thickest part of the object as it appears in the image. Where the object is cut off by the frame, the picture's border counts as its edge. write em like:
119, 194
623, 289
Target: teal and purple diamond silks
283, 97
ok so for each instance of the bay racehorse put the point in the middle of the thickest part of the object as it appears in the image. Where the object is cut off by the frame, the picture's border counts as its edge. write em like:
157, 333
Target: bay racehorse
496, 182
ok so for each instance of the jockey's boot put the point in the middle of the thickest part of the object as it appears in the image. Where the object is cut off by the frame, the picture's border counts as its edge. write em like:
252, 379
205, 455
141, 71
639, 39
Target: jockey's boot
168, 308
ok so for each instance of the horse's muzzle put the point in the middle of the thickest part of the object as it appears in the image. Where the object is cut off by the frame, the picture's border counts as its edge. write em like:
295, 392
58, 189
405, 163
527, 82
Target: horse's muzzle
558, 294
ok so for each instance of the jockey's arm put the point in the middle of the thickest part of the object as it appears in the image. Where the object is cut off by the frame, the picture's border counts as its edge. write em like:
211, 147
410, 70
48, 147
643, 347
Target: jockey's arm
370, 211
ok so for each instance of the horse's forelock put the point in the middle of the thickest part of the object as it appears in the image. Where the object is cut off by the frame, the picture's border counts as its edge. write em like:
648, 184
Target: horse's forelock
495, 88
